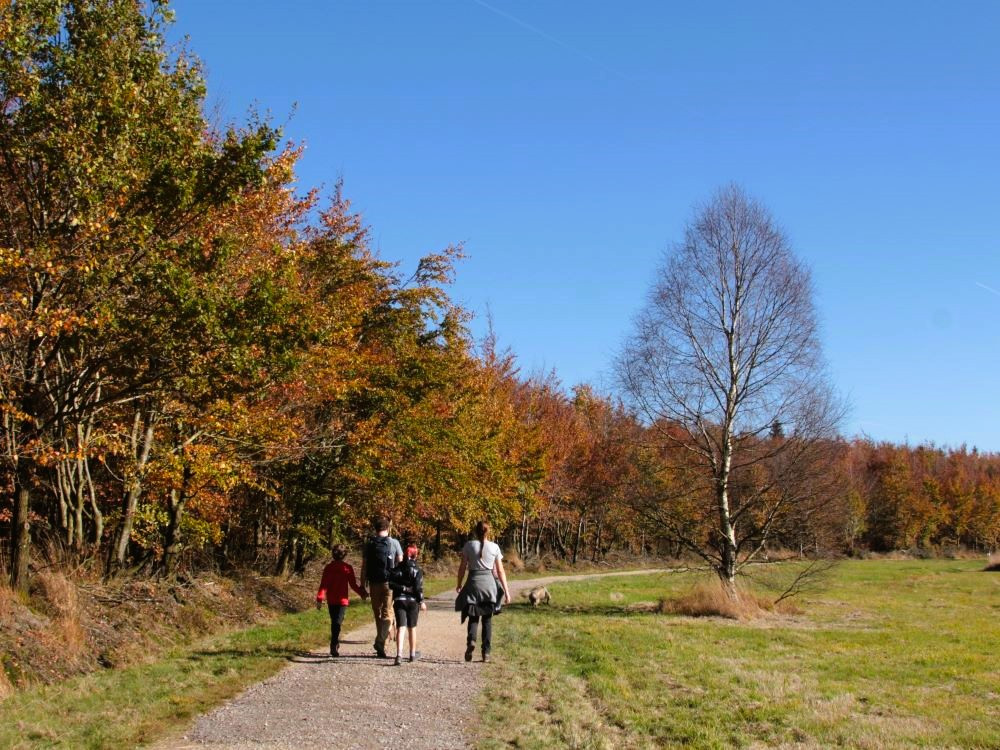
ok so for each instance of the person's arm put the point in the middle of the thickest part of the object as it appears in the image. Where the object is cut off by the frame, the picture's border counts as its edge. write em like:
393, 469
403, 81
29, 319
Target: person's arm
502, 575
364, 565
324, 584
420, 590
399, 552
353, 583
461, 573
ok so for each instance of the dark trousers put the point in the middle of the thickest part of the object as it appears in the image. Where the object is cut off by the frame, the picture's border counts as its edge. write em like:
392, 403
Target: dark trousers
337, 612
487, 631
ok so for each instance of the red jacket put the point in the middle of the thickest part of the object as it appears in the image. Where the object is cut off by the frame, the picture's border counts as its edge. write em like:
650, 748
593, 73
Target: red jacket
337, 576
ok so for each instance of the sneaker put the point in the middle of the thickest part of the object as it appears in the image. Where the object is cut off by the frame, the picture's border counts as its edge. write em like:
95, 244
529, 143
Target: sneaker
396, 661
381, 654
335, 652
415, 656
486, 656
469, 650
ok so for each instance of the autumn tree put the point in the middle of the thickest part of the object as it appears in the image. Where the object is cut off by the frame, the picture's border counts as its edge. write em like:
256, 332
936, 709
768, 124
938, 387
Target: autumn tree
600, 464
725, 348
108, 167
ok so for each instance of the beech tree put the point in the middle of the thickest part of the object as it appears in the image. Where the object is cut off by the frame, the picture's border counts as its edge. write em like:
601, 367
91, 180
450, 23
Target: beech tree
107, 170
725, 349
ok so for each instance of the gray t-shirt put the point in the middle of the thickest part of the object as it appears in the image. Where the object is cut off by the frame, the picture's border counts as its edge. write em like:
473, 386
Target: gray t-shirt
397, 550
491, 554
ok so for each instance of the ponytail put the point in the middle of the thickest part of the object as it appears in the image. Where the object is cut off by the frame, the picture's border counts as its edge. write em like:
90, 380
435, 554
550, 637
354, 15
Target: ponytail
482, 533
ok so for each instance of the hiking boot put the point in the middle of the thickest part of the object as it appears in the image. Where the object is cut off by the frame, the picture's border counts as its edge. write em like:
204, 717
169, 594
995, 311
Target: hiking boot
469, 650
381, 654
334, 651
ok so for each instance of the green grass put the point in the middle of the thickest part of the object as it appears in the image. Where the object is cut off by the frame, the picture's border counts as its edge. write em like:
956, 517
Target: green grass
887, 655
119, 708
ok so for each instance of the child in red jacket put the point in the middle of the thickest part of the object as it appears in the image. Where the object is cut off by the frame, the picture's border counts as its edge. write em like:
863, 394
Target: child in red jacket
337, 576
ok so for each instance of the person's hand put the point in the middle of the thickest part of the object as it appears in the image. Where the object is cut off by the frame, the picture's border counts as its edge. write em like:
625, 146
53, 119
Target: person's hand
458, 589
506, 597
423, 606
319, 604
364, 596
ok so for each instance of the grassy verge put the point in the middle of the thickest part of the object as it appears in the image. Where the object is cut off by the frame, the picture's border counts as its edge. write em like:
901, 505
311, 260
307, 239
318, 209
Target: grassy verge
889, 655
127, 707
118, 708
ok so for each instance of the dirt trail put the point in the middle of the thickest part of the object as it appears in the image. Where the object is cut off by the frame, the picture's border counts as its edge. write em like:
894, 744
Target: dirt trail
359, 701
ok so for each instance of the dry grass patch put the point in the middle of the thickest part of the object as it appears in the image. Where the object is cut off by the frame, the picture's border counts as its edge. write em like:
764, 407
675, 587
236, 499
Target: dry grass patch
835, 710
710, 599
7, 600
5, 687
560, 714
775, 686
58, 594
64, 633
512, 561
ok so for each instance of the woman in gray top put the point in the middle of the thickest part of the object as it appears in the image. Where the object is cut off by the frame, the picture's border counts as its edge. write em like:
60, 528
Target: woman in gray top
483, 561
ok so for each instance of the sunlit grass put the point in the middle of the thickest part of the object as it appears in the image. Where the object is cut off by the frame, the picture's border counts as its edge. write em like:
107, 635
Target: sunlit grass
889, 654
120, 708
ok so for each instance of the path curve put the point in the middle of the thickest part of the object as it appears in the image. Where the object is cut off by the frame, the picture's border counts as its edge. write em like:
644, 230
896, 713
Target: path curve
360, 701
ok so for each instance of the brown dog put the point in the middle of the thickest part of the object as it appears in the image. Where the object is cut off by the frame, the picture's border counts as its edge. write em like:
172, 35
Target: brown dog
539, 595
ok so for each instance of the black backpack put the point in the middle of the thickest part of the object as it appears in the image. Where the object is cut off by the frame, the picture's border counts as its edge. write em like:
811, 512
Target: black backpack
407, 580
379, 559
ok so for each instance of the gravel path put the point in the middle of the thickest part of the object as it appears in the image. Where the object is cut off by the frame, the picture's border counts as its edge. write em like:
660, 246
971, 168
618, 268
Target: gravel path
355, 701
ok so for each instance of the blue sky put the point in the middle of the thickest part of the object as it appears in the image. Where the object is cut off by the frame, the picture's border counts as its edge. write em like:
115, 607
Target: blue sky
565, 143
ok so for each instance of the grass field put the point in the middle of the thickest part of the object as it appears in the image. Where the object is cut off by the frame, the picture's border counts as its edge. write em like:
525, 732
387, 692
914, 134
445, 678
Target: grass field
888, 654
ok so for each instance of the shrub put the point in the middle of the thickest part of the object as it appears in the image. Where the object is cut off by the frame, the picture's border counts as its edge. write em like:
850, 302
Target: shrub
7, 599
513, 561
60, 599
58, 595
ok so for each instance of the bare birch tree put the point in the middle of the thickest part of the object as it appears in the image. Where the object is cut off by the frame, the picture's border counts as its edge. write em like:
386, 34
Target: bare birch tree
725, 365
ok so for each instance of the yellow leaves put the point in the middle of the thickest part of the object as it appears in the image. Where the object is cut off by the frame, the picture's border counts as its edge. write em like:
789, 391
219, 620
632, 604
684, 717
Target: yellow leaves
10, 259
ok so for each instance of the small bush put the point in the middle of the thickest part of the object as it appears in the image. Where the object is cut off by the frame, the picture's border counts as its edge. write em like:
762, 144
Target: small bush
513, 561
446, 565
7, 600
61, 600
710, 599
58, 595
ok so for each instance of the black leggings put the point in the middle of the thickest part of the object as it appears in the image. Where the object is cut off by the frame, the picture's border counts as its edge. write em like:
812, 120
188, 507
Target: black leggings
487, 631
337, 612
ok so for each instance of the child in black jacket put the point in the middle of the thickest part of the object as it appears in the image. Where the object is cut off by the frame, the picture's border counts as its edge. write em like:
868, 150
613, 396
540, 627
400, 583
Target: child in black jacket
407, 584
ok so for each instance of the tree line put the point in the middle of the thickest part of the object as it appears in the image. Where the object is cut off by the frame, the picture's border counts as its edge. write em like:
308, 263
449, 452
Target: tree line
200, 365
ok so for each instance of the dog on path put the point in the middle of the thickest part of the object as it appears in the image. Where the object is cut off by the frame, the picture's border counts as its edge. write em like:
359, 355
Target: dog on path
539, 595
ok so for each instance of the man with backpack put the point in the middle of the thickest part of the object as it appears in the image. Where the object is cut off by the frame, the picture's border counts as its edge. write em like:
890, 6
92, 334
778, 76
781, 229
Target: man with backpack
382, 554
